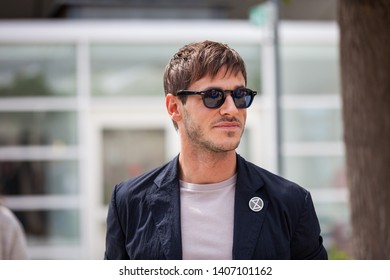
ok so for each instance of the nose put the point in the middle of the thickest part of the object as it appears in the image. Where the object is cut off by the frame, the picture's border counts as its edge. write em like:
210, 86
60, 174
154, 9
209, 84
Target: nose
228, 107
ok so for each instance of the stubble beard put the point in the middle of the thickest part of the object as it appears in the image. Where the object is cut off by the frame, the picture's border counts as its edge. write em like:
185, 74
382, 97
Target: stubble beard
196, 136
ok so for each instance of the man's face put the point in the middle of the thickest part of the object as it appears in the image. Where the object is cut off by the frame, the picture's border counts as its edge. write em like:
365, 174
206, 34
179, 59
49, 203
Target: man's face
213, 130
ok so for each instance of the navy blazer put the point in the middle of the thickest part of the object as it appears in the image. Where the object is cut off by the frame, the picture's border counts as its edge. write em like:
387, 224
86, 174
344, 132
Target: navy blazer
143, 220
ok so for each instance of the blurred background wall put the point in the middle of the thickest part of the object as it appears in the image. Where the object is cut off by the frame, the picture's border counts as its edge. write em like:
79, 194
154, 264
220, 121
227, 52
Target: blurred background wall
82, 106
161, 9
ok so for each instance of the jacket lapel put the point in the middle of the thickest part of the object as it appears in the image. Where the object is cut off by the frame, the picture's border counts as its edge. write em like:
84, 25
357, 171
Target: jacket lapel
164, 202
247, 223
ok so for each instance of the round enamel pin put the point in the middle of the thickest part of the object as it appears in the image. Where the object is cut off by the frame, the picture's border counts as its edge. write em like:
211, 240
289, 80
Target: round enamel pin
256, 204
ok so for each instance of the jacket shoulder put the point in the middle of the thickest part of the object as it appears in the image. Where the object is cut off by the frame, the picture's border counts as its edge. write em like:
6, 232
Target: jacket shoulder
138, 186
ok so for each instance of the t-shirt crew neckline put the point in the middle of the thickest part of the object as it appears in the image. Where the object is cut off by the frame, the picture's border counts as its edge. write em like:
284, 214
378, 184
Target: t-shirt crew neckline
208, 187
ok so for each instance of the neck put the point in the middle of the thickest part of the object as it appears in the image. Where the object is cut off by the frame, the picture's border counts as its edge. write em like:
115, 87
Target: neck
207, 168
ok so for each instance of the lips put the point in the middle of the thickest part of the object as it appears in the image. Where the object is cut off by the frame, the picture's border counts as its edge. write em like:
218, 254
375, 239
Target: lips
228, 125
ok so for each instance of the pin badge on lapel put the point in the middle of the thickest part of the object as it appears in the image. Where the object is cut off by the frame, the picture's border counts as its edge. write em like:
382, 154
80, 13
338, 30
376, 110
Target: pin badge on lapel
256, 204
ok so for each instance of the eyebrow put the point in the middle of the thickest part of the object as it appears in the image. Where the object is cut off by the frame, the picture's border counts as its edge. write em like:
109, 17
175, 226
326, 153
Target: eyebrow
215, 87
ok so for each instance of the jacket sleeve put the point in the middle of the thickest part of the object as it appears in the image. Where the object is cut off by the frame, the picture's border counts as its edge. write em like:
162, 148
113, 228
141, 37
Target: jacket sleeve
307, 241
115, 236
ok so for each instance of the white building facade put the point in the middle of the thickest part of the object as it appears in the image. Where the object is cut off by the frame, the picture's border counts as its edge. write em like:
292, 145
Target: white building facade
82, 108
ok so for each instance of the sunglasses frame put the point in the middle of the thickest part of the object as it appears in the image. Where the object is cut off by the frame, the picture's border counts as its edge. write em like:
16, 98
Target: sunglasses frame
203, 93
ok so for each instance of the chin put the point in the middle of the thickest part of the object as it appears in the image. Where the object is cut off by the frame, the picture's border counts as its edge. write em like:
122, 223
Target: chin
228, 147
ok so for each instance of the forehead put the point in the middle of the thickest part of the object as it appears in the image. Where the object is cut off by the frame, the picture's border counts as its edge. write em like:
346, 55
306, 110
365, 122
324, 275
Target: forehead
223, 79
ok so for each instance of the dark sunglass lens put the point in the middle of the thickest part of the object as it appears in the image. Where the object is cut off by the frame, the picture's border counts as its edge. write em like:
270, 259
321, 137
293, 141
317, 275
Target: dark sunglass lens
213, 98
242, 98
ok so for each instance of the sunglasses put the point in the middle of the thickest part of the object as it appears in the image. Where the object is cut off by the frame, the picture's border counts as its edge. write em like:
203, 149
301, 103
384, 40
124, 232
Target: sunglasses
214, 98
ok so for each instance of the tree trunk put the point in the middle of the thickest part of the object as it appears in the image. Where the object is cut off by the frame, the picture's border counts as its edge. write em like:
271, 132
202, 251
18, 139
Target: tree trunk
365, 77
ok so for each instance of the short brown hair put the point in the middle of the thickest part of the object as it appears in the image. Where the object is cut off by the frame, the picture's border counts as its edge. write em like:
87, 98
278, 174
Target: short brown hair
197, 60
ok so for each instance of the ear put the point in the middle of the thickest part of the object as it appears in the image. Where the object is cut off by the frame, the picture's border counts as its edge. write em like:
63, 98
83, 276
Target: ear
173, 104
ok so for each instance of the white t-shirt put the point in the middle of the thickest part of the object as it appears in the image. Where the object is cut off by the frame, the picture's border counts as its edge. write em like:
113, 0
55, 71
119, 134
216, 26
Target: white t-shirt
207, 220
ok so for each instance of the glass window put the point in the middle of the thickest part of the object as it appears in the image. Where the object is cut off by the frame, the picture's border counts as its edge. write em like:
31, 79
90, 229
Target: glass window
128, 153
137, 70
316, 171
312, 125
51, 227
38, 128
128, 70
38, 177
251, 56
37, 70
310, 69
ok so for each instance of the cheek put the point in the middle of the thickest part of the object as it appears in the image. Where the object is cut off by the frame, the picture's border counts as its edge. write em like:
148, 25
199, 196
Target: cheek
199, 113
243, 114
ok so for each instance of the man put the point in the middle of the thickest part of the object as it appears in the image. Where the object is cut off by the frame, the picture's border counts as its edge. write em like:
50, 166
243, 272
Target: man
209, 202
